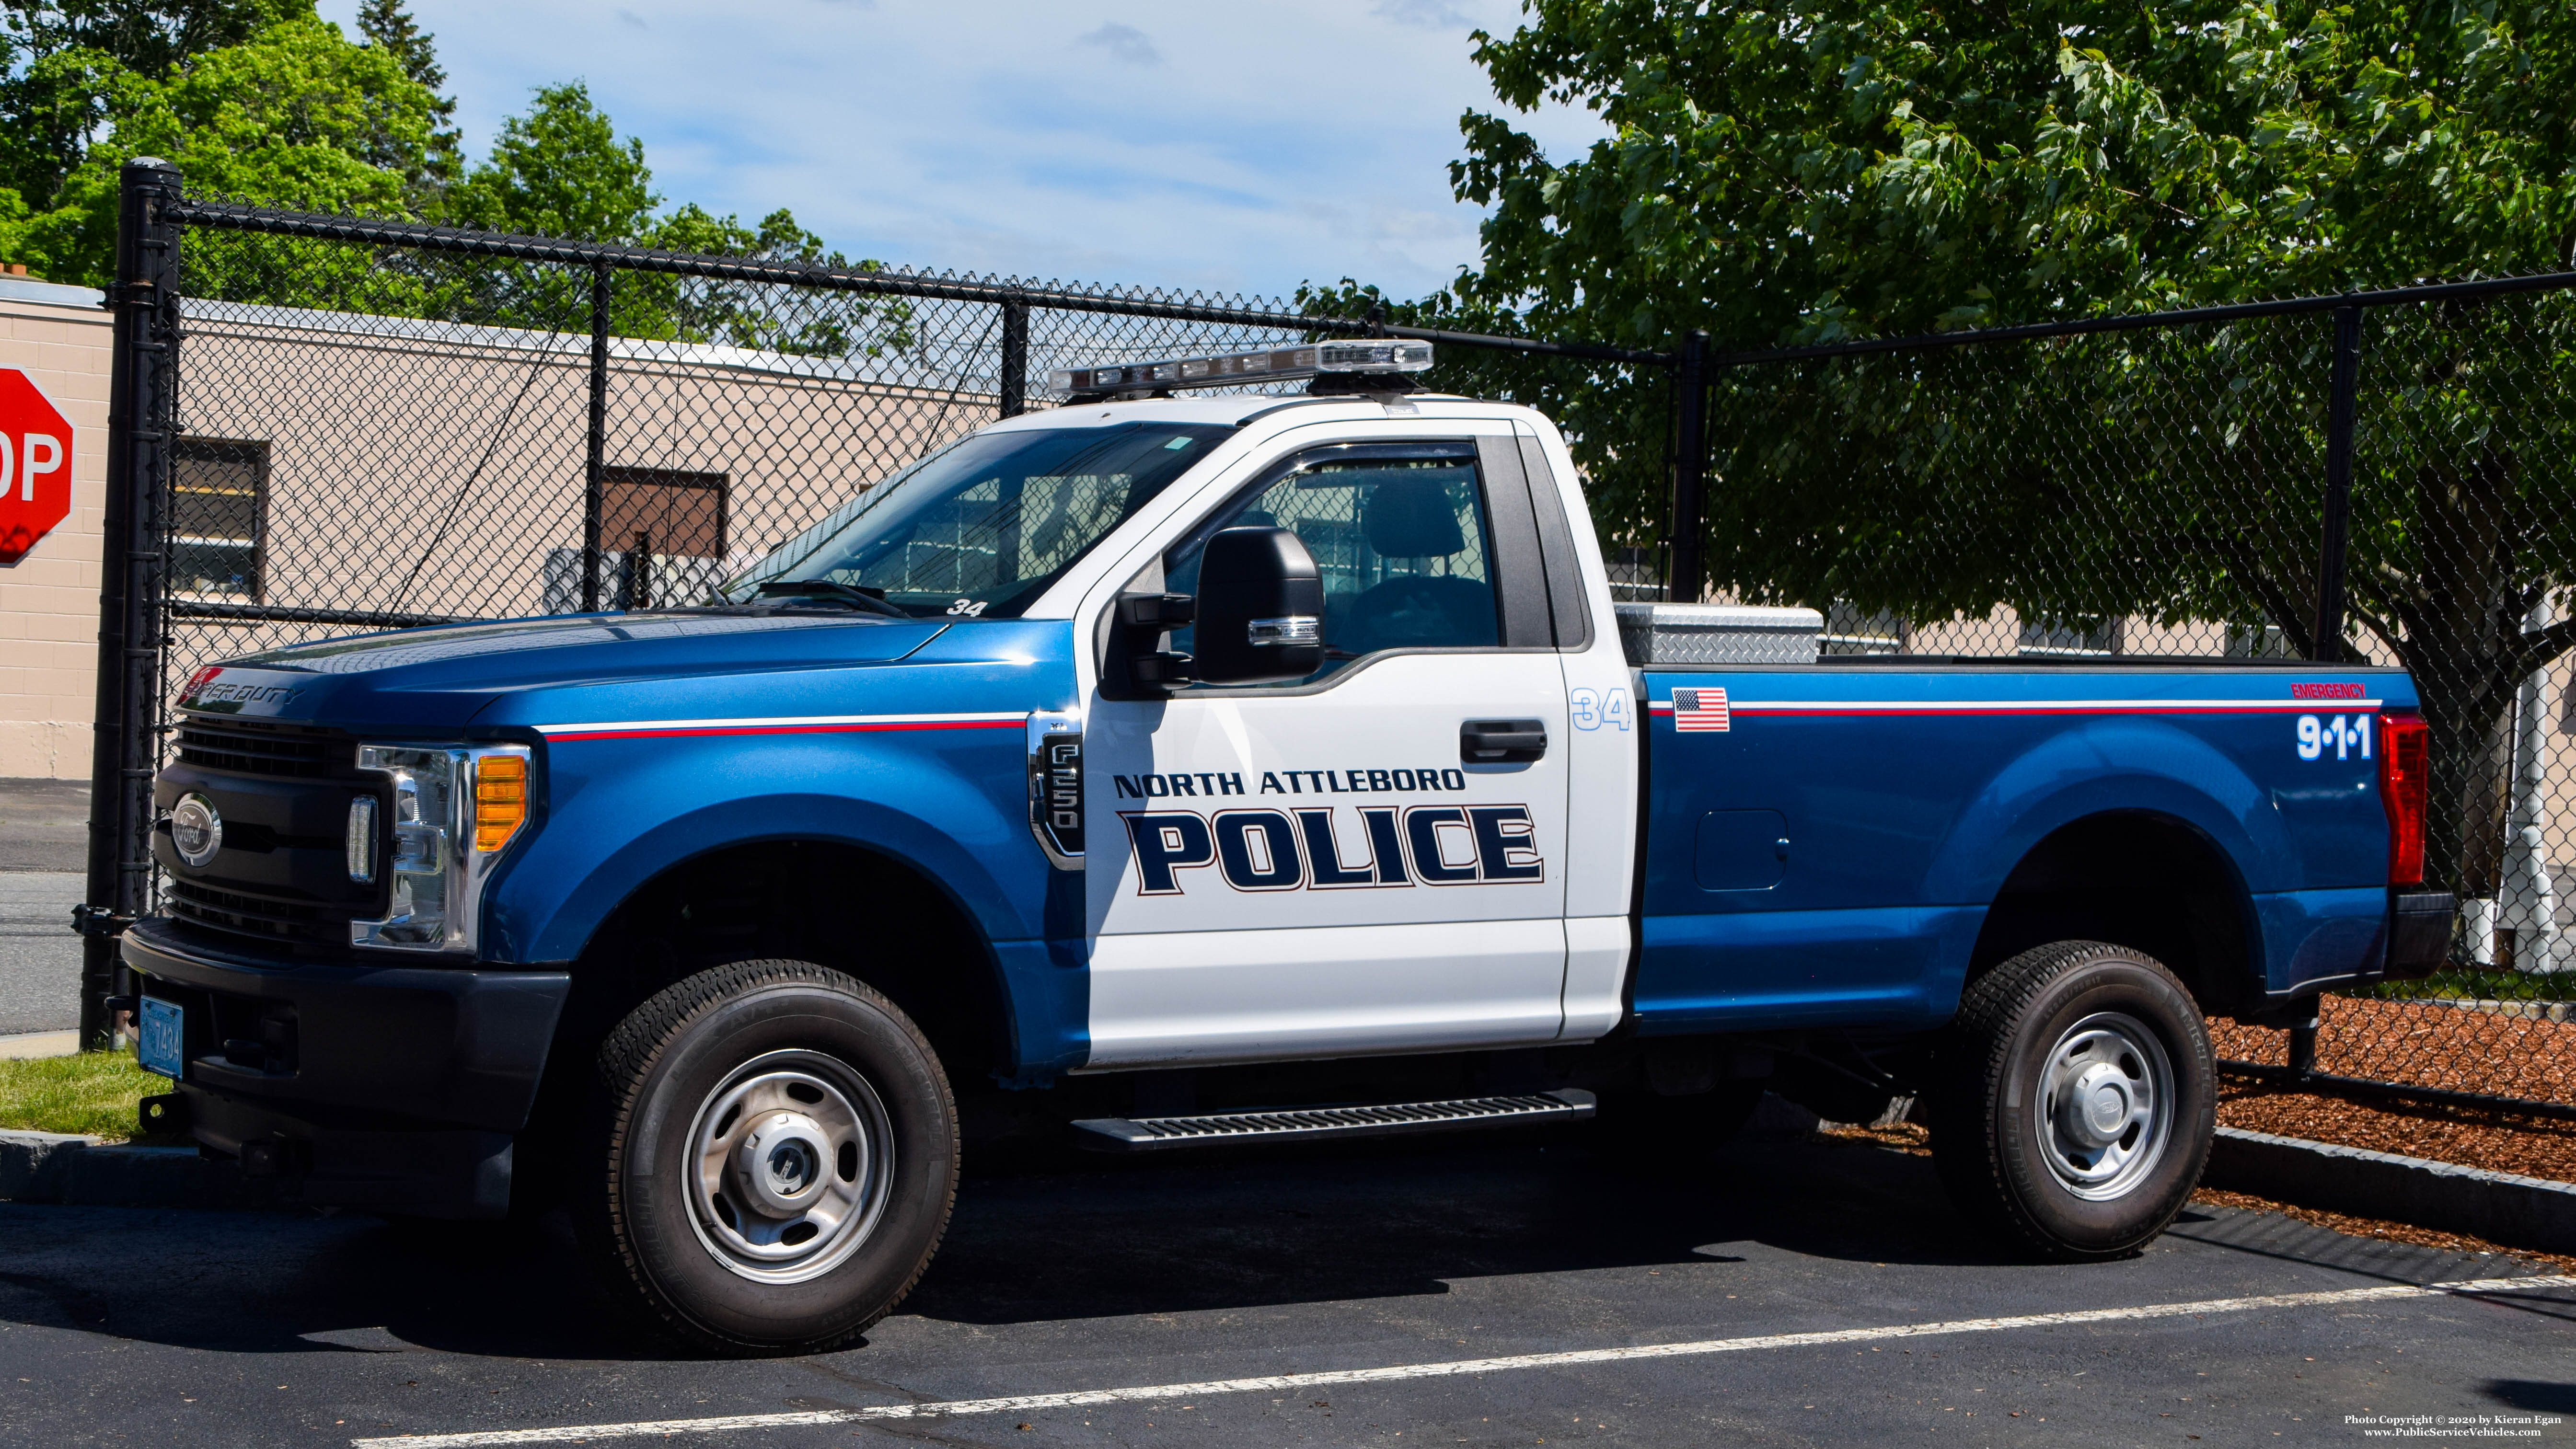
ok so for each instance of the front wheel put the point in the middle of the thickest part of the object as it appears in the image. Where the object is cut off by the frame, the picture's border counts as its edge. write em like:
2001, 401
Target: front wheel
2075, 1100
771, 1160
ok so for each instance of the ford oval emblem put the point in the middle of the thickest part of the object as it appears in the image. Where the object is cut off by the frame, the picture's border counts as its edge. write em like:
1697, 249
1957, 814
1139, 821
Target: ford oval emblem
196, 829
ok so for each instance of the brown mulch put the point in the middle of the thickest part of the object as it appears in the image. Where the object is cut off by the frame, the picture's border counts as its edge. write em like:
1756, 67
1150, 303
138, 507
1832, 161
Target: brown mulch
2498, 1142
2425, 1044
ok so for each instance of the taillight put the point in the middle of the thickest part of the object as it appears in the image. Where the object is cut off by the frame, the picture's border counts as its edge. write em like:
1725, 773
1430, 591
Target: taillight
2404, 753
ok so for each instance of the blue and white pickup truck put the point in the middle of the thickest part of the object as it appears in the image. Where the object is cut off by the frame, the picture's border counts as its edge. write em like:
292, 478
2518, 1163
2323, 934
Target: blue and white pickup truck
1213, 769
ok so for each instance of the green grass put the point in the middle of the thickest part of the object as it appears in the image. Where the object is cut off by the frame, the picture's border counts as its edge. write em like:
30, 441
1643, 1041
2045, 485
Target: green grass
94, 1092
2483, 984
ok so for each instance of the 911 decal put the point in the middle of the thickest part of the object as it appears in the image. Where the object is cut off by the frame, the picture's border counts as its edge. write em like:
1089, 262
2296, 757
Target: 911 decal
2346, 735
1310, 849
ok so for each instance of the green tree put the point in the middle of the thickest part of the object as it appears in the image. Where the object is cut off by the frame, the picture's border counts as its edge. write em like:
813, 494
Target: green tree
295, 116
1815, 170
58, 63
147, 37
561, 170
388, 25
766, 317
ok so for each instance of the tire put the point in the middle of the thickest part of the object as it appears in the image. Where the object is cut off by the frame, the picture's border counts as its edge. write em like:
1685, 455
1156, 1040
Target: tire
2074, 1100
769, 1161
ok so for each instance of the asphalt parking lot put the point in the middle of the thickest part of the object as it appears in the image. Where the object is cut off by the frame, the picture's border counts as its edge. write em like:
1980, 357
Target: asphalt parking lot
42, 835
1355, 1267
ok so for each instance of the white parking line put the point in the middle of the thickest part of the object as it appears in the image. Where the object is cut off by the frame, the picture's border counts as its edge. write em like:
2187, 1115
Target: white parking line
1281, 1383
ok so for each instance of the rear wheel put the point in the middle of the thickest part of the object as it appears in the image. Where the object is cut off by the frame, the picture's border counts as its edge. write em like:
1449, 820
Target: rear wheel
2075, 1100
771, 1160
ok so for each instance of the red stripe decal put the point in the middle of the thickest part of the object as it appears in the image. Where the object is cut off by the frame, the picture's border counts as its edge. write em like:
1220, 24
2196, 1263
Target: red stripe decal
1846, 712
1742, 706
699, 732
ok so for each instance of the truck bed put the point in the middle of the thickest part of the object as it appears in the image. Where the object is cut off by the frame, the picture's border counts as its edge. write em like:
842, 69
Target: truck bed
1824, 843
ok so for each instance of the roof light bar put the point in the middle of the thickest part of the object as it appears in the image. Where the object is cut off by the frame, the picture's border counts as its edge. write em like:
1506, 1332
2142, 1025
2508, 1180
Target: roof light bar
1275, 364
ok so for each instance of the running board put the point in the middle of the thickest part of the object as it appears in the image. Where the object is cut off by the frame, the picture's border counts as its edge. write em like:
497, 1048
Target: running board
1300, 1124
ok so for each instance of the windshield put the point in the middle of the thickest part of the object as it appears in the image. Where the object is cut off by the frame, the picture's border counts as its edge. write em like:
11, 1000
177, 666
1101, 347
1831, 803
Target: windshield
980, 528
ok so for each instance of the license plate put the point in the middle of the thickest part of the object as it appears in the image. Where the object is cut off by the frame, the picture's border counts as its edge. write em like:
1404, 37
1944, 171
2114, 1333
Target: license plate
162, 1044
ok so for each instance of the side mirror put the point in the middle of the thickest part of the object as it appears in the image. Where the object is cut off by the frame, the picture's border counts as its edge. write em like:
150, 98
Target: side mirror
1260, 609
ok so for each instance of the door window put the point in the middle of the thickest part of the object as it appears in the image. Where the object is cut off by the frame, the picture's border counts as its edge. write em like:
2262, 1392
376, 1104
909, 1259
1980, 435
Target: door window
1400, 534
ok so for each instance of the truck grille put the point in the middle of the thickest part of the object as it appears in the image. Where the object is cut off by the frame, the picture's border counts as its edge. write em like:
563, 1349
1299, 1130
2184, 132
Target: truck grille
282, 876
251, 750
250, 915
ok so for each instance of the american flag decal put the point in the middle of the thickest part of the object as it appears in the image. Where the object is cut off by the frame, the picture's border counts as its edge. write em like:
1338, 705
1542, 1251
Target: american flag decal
1700, 709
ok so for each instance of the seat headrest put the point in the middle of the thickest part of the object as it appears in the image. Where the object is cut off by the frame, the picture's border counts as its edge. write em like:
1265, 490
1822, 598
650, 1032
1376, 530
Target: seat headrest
1413, 518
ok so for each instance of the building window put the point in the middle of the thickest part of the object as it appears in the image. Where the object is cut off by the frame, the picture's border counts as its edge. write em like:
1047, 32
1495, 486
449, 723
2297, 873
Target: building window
2066, 638
2258, 641
661, 511
1850, 630
218, 516
661, 534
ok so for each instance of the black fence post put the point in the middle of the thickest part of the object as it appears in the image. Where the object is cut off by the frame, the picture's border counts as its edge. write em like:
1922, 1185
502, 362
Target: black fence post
1015, 358
1690, 469
2340, 407
596, 459
144, 296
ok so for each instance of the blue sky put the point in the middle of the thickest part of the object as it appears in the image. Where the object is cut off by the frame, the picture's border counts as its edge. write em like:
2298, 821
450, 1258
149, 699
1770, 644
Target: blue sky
1229, 145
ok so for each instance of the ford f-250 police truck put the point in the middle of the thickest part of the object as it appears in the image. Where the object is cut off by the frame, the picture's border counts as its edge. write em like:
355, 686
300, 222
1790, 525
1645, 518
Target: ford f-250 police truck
1223, 768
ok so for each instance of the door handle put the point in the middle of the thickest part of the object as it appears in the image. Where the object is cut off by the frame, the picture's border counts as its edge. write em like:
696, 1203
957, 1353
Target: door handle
1502, 741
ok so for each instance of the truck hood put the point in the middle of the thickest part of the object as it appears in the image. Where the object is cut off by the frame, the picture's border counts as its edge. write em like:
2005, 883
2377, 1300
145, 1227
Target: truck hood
445, 676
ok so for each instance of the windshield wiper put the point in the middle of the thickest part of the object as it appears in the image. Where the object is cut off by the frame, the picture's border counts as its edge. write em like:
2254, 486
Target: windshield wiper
860, 599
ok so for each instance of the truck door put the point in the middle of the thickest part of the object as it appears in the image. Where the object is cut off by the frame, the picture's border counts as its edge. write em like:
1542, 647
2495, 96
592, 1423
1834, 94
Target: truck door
1367, 860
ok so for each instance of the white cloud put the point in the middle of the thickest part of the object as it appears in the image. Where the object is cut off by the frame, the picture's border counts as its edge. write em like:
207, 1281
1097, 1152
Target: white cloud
1125, 42
1429, 14
1278, 141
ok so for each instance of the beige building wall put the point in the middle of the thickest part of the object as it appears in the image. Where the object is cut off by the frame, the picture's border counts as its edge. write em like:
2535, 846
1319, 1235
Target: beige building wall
59, 336
423, 469
428, 469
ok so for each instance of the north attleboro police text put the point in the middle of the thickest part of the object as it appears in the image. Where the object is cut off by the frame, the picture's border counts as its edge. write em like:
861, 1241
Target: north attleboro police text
1210, 784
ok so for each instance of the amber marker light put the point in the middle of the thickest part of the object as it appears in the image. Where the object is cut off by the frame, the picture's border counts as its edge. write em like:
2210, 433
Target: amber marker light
500, 799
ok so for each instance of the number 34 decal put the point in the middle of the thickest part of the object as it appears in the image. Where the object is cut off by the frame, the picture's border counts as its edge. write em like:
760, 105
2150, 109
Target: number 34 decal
2345, 734
1595, 708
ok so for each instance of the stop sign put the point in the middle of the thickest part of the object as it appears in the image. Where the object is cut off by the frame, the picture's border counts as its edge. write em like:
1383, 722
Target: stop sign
35, 465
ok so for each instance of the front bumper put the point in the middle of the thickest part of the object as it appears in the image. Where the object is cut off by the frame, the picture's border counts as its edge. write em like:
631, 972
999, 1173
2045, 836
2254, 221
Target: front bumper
387, 1086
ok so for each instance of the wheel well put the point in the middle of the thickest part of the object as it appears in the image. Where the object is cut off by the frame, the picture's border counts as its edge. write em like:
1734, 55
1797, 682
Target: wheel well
2148, 882
836, 905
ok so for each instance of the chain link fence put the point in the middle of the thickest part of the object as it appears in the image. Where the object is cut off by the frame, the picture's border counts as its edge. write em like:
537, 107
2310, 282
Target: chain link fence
381, 427
2388, 478
328, 424
356, 424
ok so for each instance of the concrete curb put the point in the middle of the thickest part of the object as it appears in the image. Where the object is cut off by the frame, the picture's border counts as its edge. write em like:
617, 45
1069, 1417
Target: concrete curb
49, 1167
28, 1046
2501, 1207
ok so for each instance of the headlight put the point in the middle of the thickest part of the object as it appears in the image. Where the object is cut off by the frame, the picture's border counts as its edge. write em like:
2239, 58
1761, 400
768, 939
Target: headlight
453, 811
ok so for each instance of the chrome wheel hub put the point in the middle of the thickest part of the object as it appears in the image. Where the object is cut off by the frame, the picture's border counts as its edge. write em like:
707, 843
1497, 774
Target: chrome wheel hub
791, 1157
2105, 1105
